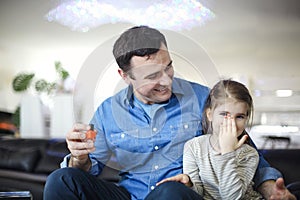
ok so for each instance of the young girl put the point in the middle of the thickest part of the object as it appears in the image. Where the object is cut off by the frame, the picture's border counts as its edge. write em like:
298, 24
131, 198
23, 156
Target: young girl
220, 164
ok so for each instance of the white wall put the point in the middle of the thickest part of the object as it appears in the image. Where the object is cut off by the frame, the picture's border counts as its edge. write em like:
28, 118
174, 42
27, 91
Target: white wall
248, 39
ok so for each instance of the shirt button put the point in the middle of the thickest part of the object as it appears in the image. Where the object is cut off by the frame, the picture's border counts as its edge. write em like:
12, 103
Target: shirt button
186, 126
156, 147
154, 129
122, 135
152, 187
156, 167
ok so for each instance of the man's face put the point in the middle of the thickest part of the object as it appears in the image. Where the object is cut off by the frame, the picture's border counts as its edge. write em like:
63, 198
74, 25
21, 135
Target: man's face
151, 77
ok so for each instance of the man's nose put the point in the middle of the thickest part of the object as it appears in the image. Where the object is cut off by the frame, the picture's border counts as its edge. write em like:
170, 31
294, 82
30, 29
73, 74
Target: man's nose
165, 79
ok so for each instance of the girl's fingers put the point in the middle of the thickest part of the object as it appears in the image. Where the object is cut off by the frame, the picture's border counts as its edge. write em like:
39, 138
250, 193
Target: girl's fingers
229, 129
242, 140
233, 126
225, 125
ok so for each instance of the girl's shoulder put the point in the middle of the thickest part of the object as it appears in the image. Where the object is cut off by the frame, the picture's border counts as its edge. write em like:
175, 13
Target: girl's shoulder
246, 149
198, 141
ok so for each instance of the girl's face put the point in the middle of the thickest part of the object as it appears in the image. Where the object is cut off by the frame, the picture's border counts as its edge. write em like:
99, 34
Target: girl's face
236, 110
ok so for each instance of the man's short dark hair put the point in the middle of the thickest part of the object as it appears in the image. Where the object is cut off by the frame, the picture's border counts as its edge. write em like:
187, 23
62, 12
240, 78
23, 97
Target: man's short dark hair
137, 41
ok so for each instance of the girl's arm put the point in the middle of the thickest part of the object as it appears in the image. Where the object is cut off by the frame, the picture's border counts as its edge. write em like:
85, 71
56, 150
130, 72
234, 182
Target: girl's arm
235, 171
191, 168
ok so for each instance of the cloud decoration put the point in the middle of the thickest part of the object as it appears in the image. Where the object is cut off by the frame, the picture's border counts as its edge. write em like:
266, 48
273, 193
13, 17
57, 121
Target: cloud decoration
176, 15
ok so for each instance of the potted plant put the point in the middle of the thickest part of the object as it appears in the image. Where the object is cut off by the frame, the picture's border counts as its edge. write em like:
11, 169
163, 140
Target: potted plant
23, 81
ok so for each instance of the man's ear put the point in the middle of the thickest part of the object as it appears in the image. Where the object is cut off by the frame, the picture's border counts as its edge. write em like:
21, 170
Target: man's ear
124, 76
209, 113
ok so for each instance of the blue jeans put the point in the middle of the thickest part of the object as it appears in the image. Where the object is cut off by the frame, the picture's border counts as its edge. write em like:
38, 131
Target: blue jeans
174, 191
72, 183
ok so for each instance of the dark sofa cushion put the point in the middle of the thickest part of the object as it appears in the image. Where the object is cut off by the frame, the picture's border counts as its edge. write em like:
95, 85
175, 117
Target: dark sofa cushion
21, 143
23, 160
287, 161
48, 163
52, 157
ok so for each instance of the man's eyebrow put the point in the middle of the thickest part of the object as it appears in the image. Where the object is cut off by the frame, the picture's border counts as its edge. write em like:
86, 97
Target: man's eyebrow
170, 63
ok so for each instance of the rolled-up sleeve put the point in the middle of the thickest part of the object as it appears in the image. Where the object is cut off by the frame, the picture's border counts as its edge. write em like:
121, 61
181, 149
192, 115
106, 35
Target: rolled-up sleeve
264, 174
264, 171
94, 170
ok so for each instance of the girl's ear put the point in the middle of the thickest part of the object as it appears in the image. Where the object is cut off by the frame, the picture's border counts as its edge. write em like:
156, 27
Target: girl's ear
209, 113
124, 76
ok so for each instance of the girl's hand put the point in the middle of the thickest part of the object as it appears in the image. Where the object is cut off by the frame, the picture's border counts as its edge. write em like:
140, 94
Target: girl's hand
182, 178
228, 136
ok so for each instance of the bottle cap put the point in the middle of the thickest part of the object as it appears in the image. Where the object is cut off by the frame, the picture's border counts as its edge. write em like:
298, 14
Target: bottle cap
91, 127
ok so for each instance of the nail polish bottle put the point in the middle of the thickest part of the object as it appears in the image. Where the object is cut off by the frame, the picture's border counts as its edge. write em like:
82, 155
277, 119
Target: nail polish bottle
91, 134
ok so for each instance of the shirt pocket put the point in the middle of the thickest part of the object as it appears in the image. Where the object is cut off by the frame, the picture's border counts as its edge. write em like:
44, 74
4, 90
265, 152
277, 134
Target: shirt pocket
186, 130
129, 141
131, 151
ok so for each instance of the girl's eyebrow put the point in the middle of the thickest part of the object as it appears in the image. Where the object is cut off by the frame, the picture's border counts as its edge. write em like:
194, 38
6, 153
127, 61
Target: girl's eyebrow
224, 111
244, 114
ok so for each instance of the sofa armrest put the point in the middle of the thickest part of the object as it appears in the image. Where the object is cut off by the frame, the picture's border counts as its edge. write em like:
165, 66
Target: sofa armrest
23, 176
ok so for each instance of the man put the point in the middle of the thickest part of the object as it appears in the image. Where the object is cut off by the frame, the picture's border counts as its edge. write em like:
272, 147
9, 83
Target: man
144, 127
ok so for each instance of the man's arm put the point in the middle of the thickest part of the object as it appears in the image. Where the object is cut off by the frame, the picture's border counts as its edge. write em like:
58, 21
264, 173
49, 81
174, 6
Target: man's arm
269, 181
275, 190
264, 171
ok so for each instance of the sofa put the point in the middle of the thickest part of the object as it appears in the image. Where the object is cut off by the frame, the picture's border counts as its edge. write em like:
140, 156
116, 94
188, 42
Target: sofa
26, 163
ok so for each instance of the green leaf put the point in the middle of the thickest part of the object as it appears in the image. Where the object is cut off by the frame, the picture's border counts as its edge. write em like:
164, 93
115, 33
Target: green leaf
61, 71
51, 87
41, 85
22, 82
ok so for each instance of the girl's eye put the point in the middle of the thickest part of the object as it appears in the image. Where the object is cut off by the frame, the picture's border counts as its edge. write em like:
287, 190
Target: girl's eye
240, 117
223, 114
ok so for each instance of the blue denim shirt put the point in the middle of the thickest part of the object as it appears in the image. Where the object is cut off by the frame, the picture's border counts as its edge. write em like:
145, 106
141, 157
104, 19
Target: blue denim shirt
149, 147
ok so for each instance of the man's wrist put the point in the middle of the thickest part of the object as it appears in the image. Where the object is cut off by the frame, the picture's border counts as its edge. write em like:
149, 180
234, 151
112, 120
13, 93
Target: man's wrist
82, 162
266, 188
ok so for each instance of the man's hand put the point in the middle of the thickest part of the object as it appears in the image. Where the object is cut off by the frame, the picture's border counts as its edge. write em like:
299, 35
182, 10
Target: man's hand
272, 190
182, 178
79, 146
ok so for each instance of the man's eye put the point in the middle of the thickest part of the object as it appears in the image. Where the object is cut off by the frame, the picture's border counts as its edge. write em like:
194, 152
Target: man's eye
151, 77
168, 68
